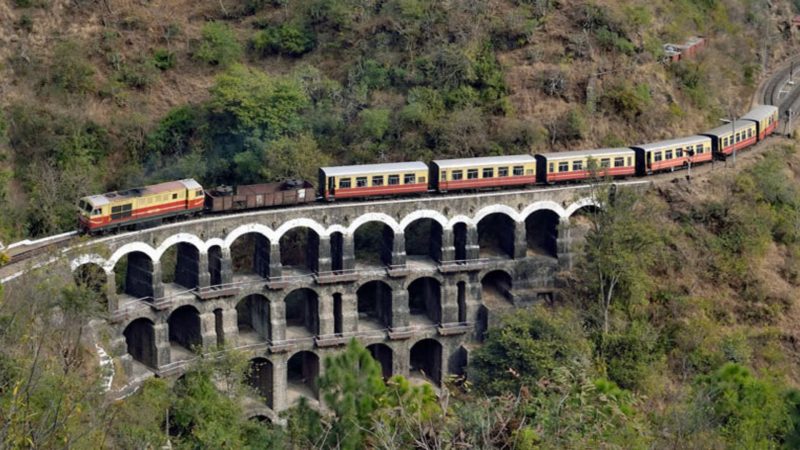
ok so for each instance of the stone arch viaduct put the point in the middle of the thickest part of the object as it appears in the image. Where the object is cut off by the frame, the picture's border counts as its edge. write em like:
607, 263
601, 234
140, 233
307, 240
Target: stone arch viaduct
416, 280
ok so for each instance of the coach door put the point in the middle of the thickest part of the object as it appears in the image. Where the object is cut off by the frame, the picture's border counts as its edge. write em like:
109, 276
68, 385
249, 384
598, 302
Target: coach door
331, 186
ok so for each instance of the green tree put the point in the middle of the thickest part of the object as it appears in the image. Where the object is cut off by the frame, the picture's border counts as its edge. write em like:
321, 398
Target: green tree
218, 45
281, 159
527, 347
253, 103
353, 388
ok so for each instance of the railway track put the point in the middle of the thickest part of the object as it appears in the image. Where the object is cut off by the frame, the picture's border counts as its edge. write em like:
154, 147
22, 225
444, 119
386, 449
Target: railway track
22, 250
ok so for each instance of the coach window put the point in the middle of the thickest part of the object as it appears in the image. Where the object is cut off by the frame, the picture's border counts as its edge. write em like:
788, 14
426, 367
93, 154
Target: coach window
472, 174
552, 167
750, 133
457, 175
394, 179
518, 171
679, 153
605, 163
563, 166
577, 165
409, 178
657, 156
443, 176
699, 149
361, 181
488, 172
668, 154
619, 162
344, 183
502, 171
377, 180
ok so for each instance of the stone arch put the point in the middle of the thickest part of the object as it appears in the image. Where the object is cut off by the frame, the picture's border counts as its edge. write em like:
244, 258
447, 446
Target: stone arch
425, 299
180, 264
134, 275
373, 242
384, 356
374, 217
186, 238
241, 230
302, 313
184, 328
423, 238
302, 372
496, 233
495, 209
424, 214
582, 203
94, 278
541, 232
425, 361
374, 300
543, 204
259, 376
251, 254
496, 288
140, 341
300, 223
253, 319
91, 258
140, 247
299, 247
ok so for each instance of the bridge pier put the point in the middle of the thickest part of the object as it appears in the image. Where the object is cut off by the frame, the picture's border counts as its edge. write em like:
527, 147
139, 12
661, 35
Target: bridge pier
398, 256
275, 268
348, 252
163, 351
473, 249
448, 252
349, 313
279, 382
564, 244
324, 255
110, 289
203, 275
208, 330
277, 320
229, 329
520, 240
400, 310
326, 313
449, 303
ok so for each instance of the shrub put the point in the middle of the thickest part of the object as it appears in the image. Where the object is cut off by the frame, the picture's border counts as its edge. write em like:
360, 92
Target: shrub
138, 74
218, 45
628, 100
286, 39
70, 70
164, 59
374, 122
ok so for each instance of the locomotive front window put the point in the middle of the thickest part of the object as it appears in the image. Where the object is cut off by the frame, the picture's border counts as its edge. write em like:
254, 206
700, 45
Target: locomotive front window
377, 180
488, 173
458, 175
96, 212
361, 181
472, 174
577, 165
563, 166
518, 171
409, 178
198, 193
344, 183
502, 171
394, 179
605, 163
619, 162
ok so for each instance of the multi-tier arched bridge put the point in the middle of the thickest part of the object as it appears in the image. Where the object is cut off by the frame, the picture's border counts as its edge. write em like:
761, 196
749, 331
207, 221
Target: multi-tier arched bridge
417, 280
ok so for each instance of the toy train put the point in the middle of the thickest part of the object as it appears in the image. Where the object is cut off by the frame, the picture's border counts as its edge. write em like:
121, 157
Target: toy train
151, 205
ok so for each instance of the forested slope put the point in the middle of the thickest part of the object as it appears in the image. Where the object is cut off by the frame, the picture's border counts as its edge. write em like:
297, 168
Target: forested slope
99, 95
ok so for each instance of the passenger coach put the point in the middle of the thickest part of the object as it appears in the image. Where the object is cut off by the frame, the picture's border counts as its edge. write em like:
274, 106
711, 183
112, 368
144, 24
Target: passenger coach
766, 119
483, 173
672, 154
373, 180
150, 204
723, 141
574, 166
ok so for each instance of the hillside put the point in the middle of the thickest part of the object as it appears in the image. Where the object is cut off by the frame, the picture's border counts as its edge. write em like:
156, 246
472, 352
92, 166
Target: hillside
99, 95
